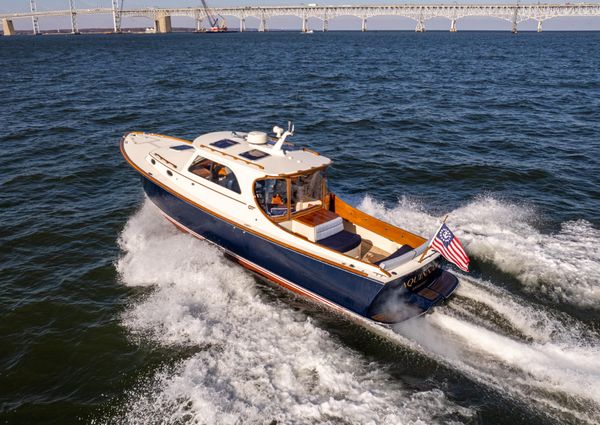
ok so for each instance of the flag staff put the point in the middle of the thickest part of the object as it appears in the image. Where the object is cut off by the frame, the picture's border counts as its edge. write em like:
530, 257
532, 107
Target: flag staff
431, 240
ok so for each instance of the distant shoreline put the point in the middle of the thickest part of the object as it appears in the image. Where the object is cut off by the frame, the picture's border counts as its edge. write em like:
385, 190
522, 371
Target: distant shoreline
109, 31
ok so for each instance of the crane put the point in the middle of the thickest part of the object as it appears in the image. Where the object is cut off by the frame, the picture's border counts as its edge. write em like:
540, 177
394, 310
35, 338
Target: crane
217, 22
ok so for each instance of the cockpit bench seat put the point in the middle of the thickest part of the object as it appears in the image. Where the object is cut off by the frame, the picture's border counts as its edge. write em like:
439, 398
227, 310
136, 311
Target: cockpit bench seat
395, 259
327, 228
342, 241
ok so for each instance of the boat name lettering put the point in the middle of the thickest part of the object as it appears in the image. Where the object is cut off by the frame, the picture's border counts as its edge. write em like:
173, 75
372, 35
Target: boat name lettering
422, 275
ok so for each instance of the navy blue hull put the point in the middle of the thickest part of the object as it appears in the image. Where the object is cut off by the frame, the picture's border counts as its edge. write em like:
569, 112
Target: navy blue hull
349, 290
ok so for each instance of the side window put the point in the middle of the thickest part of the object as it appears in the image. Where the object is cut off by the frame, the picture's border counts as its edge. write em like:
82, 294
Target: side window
216, 173
201, 167
272, 196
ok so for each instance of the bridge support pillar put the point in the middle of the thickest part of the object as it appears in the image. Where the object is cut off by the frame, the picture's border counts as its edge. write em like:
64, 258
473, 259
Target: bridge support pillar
7, 27
116, 13
199, 25
34, 19
242, 24
304, 24
325, 25
539, 27
420, 26
363, 25
36, 26
263, 24
74, 29
163, 24
453, 26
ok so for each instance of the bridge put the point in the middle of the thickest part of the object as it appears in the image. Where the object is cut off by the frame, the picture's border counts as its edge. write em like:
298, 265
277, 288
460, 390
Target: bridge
420, 13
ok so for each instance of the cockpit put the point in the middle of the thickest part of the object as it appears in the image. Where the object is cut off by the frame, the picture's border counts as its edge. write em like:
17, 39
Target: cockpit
282, 198
297, 203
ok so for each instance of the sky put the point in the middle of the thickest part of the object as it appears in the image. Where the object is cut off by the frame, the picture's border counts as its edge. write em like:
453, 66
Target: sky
341, 23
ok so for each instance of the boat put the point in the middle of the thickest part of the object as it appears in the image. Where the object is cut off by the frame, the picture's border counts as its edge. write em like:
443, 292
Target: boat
218, 29
265, 202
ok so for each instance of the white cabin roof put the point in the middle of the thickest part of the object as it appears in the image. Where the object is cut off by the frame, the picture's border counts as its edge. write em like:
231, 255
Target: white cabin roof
293, 160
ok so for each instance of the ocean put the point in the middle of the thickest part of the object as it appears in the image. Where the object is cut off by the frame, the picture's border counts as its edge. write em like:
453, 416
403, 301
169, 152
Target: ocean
110, 315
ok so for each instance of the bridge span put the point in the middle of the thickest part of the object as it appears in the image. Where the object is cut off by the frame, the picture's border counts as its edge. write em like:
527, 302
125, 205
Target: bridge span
420, 13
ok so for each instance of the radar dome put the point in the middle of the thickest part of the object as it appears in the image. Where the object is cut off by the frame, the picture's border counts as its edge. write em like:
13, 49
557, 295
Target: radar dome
257, 138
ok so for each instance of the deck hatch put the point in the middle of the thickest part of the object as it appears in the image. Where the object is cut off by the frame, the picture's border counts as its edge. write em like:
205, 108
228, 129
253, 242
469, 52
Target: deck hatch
181, 147
254, 154
224, 143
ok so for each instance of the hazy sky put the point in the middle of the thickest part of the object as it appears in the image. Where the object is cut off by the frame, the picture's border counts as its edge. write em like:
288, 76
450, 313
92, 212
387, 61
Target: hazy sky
382, 23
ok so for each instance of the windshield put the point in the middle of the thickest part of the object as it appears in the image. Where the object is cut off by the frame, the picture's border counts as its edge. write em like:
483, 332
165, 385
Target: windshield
272, 196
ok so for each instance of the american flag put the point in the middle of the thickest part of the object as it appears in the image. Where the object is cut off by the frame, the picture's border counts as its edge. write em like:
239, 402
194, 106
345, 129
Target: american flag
449, 246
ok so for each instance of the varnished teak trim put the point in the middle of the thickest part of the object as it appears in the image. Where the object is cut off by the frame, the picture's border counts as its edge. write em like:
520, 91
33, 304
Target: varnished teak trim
393, 233
317, 217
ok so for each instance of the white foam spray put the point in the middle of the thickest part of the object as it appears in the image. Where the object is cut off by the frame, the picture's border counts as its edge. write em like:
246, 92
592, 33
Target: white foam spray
255, 361
564, 266
555, 367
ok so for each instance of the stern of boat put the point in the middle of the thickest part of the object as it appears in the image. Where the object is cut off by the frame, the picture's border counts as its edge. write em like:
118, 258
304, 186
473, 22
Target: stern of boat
413, 295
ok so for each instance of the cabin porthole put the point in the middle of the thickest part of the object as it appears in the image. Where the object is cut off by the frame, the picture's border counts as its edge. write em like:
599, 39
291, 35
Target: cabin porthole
153, 162
169, 173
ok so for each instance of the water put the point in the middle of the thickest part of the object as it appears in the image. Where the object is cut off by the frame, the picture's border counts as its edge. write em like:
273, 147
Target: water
109, 315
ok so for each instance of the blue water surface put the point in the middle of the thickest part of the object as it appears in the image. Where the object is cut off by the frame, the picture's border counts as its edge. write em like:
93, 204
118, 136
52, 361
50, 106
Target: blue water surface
438, 120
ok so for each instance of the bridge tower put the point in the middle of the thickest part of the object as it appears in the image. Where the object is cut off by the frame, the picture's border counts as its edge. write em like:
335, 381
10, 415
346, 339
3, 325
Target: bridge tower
263, 23
74, 29
34, 19
363, 25
304, 24
199, 23
514, 19
116, 12
453, 25
421, 26
242, 24
539, 26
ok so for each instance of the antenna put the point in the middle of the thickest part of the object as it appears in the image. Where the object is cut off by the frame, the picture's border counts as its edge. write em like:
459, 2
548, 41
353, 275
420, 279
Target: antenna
276, 150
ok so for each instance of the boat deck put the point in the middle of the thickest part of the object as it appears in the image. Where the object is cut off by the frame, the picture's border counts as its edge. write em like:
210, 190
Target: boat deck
370, 253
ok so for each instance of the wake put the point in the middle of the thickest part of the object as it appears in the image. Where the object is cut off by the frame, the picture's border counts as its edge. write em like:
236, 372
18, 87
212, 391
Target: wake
260, 361
544, 358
